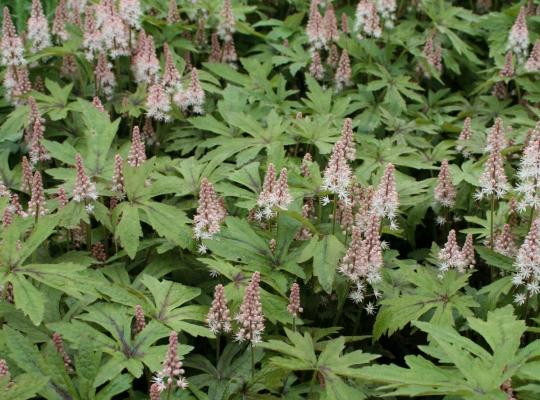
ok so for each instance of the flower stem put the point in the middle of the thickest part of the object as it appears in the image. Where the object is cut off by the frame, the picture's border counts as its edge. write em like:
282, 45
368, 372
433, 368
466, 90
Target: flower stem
311, 384
252, 361
491, 234
334, 215
218, 340
525, 310
294, 324
531, 217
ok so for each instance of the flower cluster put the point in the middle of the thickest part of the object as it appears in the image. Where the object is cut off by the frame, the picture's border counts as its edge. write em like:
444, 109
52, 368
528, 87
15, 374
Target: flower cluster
38, 28
250, 318
211, 212
363, 261
529, 172
533, 63
218, 318
445, 192
59, 344
518, 38
36, 205
367, 19
451, 256
337, 175
385, 200
140, 322
11, 45
84, 188
172, 368
464, 136
294, 306
527, 263
117, 182
493, 181
275, 193
387, 10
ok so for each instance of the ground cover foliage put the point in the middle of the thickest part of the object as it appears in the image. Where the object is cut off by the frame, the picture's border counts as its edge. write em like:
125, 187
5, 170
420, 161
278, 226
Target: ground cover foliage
230, 199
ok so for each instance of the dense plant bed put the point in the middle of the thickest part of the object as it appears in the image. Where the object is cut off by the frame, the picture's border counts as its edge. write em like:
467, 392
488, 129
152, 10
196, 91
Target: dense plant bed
270, 200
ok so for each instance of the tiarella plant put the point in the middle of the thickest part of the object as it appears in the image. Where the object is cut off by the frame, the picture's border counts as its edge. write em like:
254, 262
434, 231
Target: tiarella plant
225, 199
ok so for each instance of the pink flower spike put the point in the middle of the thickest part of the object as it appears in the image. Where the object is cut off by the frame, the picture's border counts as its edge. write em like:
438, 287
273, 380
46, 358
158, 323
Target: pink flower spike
250, 317
140, 322
508, 69
158, 104
59, 344
518, 38
84, 189
386, 199
11, 45
343, 73
27, 175
218, 318
36, 205
294, 306
173, 17
330, 24
96, 102
171, 77
347, 137
137, 152
105, 79
316, 68
337, 174
533, 63
210, 212
172, 366
451, 256
315, 27
61, 197
528, 261
130, 12
468, 251
38, 28
445, 192
367, 19
60, 20
226, 27
281, 196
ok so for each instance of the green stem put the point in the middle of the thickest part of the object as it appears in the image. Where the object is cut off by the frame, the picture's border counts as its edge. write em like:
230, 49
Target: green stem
334, 215
88, 236
277, 222
252, 361
312, 382
319, 209
357, 321
531, 217
340, 307
492, 235
294, 323
491, 238
525, 310
218, 342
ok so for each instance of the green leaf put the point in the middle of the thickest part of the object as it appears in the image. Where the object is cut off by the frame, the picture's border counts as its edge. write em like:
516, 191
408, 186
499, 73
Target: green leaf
425, 293
12, 128
128, 230
29, 299
326, 256
99, 136
495, 259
